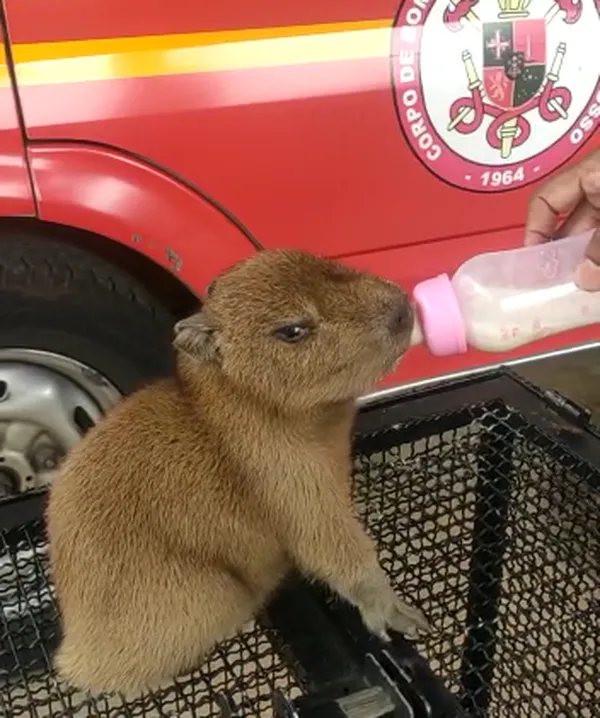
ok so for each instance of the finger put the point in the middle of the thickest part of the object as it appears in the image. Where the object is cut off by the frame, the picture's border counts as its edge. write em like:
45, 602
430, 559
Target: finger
588, 272
563, 194
593, 249
590, 179
560, 195
588, 276
583, 218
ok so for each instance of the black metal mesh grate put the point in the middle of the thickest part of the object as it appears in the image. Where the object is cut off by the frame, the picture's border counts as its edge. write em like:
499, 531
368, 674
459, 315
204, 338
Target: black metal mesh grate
248, 668
499, 542
478, 517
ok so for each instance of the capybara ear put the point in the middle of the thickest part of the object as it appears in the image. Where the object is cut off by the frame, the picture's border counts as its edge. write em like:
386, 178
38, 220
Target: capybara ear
196, 336
210, 288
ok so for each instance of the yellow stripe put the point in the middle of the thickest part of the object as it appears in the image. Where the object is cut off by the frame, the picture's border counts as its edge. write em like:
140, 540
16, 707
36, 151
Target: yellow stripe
4, 76
87, 60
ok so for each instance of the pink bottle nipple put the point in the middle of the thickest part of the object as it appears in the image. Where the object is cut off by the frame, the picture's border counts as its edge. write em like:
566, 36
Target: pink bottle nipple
441, 318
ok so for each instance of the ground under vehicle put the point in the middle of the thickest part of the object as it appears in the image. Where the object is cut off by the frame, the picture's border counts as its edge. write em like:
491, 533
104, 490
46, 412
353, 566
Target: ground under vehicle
145, 146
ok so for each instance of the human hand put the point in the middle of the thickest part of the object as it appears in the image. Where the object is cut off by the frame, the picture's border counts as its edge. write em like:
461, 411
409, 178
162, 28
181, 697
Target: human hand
574, 194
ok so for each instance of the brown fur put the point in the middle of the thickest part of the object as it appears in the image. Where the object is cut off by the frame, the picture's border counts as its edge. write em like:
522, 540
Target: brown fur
176, 517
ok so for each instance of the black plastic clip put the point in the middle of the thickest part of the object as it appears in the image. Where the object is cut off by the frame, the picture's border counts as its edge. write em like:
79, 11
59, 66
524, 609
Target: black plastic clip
569, 410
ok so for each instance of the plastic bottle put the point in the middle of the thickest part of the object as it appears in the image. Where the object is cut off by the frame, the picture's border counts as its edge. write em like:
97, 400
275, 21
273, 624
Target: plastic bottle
498, 301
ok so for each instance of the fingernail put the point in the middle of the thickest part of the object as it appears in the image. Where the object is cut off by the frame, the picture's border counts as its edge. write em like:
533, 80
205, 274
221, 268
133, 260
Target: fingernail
588, 276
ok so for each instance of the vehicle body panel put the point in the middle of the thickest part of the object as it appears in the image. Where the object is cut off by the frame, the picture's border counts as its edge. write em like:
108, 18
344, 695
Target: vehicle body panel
291, 126
118, 196
16, 195
275, 123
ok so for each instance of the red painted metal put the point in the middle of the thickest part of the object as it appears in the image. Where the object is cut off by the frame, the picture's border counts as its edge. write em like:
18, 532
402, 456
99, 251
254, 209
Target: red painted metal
304, 155
297, 172
73, 20
16, 195
117, 196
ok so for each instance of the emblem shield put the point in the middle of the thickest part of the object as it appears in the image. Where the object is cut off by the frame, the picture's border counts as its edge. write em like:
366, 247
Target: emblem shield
514, 60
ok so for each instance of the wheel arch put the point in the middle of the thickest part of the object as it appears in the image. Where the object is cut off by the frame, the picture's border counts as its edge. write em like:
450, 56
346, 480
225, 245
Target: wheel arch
176, 297
164, 232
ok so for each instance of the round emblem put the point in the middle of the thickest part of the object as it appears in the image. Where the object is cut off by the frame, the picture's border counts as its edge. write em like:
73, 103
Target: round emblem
494, 94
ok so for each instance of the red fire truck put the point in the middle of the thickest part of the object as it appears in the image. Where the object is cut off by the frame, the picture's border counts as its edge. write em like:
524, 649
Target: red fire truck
144, 146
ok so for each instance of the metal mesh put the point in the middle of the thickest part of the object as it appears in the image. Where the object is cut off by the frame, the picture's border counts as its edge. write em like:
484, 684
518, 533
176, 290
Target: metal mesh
485, 524
247, 668
499, 543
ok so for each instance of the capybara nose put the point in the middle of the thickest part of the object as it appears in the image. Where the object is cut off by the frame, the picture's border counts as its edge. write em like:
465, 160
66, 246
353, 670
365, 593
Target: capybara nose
400, 316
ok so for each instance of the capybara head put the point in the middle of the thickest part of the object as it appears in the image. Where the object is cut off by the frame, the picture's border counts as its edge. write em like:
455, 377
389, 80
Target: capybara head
298, 330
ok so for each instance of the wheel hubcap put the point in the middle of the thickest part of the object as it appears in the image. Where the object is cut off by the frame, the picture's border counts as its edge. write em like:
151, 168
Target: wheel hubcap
47, 403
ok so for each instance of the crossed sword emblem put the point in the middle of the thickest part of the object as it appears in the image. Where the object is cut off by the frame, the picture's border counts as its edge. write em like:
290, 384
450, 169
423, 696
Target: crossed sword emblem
458, 14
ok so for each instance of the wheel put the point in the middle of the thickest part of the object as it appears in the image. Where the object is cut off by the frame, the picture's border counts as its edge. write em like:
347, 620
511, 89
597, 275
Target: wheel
75, 335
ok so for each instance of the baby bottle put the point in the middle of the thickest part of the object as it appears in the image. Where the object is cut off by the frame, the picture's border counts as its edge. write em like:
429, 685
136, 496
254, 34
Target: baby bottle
498, 301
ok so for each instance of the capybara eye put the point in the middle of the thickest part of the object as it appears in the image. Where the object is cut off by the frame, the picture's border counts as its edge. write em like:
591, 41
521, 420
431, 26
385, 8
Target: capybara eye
291, 333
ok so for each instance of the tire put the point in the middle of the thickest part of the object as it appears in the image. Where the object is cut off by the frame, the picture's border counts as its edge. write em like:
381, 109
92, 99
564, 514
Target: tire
59, 298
